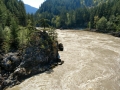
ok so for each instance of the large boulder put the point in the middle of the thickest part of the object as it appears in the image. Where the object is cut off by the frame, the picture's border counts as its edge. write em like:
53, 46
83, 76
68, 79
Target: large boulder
60, 46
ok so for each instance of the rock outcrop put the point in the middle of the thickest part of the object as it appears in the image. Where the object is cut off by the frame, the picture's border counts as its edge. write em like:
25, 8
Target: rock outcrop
60, 47
38, 56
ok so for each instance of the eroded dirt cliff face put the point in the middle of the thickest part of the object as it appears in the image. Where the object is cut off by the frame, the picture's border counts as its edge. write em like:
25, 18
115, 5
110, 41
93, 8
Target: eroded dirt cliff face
91, 62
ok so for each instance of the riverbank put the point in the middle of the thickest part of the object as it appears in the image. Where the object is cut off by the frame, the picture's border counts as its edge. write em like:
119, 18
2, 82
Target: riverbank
116, 34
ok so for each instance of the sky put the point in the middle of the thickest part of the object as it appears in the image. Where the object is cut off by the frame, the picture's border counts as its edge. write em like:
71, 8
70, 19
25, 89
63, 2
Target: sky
34, 3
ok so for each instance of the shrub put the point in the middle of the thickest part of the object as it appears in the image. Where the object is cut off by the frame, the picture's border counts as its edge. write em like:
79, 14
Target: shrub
102, 24
6, 39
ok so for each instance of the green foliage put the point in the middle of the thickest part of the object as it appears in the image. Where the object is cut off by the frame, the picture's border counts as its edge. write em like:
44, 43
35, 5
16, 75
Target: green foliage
7, 34
71, 13
110, 11
118, 28
44, 22
89, 25
1, 32
22, 14
52, 34
114, 23
42, 47
6, 39
16, 7
13, 18
112, 19
81, 13
111, 26
96, 18
56, 21
23, 36
118, 23
14, 36
102, 24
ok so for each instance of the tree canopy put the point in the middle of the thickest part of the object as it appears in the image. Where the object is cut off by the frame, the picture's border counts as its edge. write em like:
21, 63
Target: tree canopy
12, 17
80, 13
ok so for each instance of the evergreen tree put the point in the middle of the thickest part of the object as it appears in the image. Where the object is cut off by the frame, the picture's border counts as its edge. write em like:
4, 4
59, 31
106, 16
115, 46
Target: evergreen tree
14, 37
44, 22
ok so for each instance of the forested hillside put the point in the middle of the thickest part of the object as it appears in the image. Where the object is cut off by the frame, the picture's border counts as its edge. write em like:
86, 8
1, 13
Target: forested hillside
57, 7
13, 20
81, 13
106, 17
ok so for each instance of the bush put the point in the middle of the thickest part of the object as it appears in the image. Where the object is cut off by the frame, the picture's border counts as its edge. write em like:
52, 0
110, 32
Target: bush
6, 39
102, 24
118, 28
111, 26
23, 36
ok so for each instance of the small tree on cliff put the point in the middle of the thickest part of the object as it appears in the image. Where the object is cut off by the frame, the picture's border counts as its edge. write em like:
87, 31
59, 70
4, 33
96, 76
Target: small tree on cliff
44, 22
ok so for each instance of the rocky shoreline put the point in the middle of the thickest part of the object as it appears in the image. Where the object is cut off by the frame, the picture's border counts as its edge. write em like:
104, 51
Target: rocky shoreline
8, 64
116, 34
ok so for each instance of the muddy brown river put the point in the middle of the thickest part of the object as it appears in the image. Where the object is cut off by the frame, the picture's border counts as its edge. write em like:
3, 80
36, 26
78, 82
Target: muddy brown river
91, 62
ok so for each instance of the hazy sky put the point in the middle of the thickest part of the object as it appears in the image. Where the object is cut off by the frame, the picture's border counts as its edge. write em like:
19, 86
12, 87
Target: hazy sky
34, 3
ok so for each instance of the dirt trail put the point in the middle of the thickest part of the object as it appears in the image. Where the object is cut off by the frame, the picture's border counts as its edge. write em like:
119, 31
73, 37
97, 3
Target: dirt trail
92, 62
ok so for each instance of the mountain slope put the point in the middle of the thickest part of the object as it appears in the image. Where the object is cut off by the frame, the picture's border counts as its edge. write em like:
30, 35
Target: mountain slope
30, 9
56, 6
66, 12
80, 13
